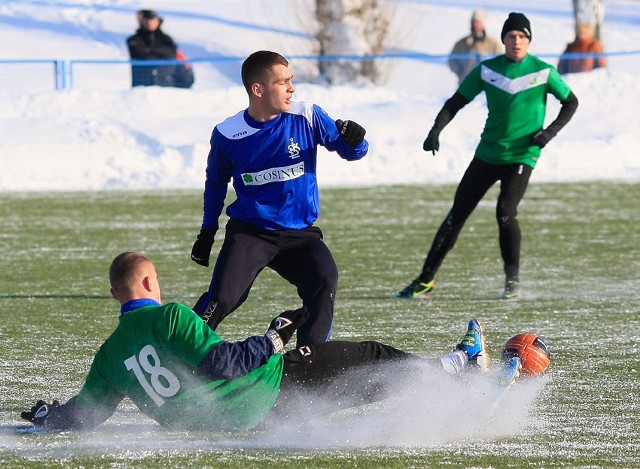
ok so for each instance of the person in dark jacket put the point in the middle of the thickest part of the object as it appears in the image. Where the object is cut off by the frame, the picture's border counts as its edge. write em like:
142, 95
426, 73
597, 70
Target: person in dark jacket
151, 43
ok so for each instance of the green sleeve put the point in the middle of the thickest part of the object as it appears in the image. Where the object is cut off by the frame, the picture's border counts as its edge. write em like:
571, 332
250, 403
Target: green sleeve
97, 399
557, 86
472, 84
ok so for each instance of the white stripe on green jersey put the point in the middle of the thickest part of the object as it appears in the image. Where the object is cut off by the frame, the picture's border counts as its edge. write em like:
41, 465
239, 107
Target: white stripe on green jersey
516, 95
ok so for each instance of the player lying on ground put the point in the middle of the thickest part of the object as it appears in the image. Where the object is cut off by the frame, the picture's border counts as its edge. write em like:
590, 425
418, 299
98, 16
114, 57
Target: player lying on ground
179, 372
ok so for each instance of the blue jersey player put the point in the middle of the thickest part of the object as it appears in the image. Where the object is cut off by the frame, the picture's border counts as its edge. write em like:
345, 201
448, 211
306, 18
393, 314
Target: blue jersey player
269, 150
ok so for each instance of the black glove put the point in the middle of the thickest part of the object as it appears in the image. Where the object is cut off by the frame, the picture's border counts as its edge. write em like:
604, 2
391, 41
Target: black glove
432, 142
282, 328
542, 137
351, 132
40, 412
201, 249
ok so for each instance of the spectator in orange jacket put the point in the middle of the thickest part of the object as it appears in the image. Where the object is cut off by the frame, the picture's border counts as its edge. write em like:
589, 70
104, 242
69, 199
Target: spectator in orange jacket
584, 43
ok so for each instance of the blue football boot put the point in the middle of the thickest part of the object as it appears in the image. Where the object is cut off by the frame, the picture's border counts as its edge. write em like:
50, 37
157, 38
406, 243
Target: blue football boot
474, 345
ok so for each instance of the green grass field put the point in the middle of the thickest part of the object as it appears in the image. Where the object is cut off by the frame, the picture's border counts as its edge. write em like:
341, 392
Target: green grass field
579, 278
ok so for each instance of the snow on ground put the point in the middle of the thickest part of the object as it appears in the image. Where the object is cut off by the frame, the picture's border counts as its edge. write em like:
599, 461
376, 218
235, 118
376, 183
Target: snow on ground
101, 134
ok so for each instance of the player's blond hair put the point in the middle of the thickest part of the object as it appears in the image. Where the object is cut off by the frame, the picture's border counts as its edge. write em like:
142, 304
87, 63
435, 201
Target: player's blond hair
126, 269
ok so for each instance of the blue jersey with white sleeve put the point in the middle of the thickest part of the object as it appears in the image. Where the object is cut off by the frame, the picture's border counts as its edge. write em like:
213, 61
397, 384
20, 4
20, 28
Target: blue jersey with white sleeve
273, 167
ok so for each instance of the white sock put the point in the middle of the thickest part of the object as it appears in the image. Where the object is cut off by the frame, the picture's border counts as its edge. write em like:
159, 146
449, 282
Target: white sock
454, 362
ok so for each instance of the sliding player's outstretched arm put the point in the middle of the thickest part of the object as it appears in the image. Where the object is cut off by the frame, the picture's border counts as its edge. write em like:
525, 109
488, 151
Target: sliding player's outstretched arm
71, 415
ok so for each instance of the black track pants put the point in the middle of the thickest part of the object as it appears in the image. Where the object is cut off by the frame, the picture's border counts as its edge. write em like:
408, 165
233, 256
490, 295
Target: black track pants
477, 180
342, 374
299, 256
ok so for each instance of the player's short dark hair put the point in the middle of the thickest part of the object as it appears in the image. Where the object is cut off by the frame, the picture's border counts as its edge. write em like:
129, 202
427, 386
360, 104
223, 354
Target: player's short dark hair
124, 268
257, 64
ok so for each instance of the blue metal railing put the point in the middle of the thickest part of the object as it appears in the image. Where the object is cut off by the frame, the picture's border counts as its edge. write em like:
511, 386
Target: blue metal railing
64, 71
58, 69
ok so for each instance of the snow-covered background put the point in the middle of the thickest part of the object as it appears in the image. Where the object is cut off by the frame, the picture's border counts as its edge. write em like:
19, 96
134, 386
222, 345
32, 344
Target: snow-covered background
101, 134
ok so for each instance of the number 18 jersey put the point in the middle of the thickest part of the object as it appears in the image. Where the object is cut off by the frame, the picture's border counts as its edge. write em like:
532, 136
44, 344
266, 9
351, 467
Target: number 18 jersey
152, 358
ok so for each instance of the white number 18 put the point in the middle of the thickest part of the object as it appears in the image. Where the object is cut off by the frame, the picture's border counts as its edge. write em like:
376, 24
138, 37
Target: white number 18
155, 389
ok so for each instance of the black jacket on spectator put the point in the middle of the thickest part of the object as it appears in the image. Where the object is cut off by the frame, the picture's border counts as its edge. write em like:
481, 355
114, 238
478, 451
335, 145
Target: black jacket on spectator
152, 45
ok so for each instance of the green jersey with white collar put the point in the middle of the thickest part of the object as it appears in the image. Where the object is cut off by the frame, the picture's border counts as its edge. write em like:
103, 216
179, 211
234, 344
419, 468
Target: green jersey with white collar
516, 94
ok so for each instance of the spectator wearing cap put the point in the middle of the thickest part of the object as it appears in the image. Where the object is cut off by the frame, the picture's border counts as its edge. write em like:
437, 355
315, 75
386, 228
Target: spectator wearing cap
151, 43
584, 43
471, 49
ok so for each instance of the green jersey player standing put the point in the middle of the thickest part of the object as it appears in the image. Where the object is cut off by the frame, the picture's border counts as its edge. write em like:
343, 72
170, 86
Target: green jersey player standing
516, 86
